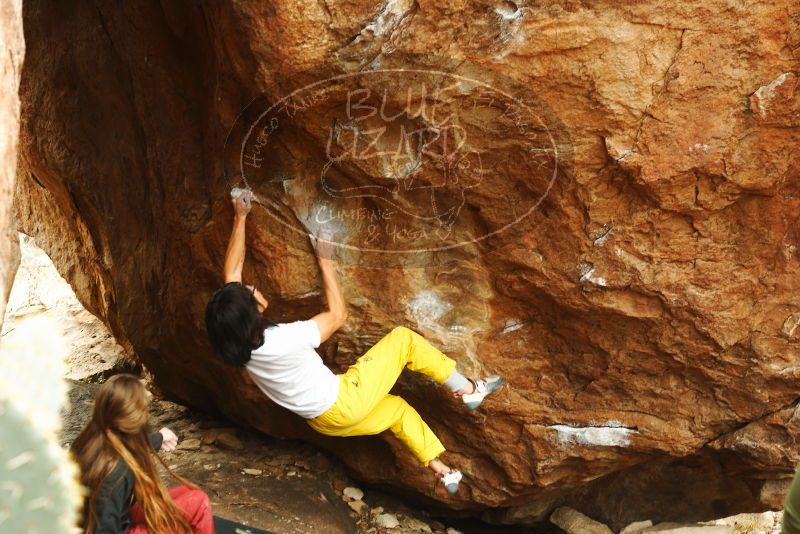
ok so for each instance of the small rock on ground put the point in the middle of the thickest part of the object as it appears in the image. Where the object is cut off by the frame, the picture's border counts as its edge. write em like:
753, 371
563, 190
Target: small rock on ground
191, 444
416, 524
635, 528
386, 521
354, 494
228, 440
359, 507
572, 521
765, 521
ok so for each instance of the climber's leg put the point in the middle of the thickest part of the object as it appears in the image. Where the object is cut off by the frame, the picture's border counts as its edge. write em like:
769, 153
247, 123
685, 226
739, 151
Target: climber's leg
371, 378
365, 407
380, 367
395, 414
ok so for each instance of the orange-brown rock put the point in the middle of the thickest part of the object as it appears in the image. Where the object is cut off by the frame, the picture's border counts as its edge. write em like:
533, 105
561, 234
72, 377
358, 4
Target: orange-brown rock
10, 70
627, 259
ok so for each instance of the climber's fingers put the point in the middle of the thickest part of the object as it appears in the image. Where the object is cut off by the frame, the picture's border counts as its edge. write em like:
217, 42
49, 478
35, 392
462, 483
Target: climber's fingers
242, 200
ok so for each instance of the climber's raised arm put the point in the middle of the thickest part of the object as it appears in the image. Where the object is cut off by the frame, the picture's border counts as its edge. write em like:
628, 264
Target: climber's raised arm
329, 321
234, 256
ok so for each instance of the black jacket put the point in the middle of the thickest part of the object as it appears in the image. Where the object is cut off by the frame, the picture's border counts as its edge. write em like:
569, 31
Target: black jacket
114, 500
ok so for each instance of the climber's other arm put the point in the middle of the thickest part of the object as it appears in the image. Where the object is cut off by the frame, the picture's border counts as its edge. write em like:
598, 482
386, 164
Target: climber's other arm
329, 321
234, 256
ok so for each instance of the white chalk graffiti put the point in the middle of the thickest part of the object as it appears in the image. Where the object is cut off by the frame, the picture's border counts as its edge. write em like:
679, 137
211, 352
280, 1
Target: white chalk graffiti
402, 170
611, 435
434, 159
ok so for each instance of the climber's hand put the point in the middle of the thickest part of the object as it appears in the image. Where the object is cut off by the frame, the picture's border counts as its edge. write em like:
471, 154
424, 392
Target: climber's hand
170, 440
242, 200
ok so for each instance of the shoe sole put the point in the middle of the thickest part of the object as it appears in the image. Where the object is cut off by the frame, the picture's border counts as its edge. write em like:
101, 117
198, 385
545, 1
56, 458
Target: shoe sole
493, 383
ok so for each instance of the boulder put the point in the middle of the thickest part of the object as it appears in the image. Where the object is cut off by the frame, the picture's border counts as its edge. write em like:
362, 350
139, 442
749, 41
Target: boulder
601, 206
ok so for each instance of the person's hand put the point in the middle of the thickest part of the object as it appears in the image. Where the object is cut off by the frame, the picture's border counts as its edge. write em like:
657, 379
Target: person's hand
170, 440
242, 200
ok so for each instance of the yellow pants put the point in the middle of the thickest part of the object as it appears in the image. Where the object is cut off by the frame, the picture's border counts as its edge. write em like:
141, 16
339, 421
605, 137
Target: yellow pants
365, 407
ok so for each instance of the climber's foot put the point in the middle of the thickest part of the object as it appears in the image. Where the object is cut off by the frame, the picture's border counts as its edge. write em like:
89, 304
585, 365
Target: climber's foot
451, 480
449, 477
480, 389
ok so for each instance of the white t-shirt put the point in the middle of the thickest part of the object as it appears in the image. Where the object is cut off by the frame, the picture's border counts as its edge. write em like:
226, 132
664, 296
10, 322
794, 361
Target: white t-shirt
290, 372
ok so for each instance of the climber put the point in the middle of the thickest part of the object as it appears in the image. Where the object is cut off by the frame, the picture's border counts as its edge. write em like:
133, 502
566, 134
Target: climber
115, 455
281, 360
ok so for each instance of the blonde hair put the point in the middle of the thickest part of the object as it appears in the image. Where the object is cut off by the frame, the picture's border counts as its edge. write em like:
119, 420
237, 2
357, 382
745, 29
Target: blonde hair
119, 431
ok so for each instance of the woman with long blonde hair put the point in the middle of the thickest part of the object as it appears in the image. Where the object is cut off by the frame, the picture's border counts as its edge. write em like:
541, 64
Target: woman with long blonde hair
115, 455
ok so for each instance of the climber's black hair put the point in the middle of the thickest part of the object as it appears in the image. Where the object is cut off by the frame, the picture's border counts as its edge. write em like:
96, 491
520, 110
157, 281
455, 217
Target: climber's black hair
234, 323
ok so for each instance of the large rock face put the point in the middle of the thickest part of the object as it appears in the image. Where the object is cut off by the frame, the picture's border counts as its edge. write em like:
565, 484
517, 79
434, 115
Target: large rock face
621, 244
10, 70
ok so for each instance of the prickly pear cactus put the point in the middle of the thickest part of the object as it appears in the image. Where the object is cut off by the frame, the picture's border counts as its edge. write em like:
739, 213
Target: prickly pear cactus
39, 493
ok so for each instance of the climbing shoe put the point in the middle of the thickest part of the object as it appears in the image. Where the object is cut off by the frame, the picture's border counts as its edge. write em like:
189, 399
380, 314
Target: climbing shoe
482, 388
451, 480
